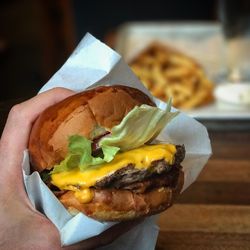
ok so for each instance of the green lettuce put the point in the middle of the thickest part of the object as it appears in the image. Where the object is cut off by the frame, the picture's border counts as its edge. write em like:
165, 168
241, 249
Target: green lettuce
139, 126
80, 155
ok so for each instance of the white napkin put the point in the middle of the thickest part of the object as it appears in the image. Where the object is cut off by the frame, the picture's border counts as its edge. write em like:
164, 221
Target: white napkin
92, 64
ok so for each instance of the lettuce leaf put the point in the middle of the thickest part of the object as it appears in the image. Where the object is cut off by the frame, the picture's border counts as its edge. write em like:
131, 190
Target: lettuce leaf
139, 126
80, 155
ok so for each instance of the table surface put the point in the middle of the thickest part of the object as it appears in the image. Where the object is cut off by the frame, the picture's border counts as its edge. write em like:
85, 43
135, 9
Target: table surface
214, 213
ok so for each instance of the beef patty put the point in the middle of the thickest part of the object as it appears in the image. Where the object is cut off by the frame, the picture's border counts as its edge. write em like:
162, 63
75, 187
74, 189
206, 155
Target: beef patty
159, 174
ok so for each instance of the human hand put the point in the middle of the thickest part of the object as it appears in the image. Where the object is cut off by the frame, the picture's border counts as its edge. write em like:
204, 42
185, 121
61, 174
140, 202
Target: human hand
21, 226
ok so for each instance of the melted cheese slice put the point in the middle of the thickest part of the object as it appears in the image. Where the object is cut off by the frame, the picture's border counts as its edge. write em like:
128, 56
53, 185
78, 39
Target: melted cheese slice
141, 158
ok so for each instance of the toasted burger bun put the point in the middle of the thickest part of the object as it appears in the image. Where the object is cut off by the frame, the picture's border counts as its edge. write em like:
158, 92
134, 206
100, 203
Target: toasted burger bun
80, 114
91, 114
121, 205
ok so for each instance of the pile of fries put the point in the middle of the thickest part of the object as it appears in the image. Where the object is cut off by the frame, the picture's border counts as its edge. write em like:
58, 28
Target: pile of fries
168, 73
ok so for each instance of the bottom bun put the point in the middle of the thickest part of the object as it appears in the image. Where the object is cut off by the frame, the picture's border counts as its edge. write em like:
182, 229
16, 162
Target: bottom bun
121, 205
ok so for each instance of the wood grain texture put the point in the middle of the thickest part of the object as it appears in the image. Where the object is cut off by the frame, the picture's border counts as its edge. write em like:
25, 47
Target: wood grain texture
206, 218
231, 145
217, 193
205, 227
214, 213
202, 241
219, 183
225, 170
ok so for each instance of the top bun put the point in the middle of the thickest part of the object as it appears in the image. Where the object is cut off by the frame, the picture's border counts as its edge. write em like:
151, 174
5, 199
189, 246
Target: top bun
86, 114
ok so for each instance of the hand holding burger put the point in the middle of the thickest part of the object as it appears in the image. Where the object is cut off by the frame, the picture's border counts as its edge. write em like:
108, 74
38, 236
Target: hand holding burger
22, 227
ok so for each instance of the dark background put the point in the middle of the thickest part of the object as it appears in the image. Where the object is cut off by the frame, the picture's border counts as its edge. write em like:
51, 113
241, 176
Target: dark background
36, 36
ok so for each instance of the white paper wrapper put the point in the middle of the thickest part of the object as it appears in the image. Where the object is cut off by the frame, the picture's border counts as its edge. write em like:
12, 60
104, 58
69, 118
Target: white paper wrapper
92, 64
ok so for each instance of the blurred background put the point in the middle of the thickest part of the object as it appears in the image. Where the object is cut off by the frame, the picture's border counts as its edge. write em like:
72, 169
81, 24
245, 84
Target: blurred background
36, 37
179, 49
195, 51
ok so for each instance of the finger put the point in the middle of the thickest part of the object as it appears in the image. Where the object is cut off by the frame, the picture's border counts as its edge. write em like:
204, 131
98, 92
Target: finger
21, 117
105, 238
17, 129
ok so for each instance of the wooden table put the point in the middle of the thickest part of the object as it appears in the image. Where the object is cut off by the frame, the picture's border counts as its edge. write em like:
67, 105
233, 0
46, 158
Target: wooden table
214, 213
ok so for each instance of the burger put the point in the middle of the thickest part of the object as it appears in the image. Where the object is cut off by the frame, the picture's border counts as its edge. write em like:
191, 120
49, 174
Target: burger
96, 150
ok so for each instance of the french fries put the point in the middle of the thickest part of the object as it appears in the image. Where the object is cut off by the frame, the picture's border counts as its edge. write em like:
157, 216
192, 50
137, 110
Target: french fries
168, 73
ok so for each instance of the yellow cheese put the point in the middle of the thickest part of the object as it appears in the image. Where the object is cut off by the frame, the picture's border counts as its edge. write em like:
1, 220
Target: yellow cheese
84, 195
141, 158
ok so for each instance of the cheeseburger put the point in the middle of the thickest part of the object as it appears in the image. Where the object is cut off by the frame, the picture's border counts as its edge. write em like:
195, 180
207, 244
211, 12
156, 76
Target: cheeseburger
96, 151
